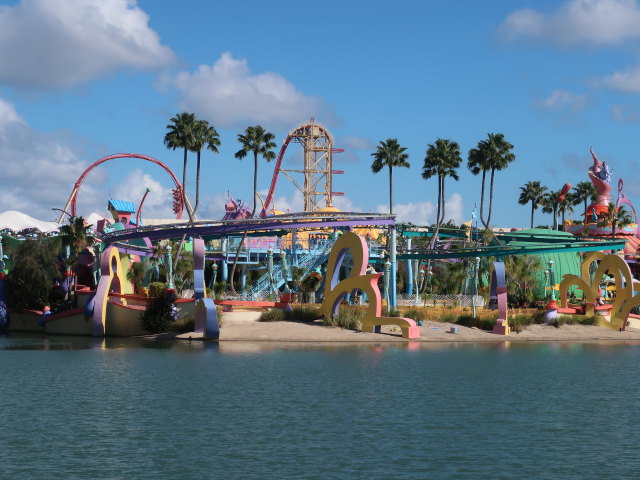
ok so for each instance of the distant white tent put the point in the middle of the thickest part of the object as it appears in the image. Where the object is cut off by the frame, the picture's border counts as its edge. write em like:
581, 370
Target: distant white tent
18, 221
93, 220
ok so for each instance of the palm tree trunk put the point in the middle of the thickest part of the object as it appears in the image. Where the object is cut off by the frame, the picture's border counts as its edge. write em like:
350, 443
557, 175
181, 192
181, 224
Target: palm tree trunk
435, 233
532, 210
184, 185
195, 209
441, 221
390, 190
486, 224
490, 198
253, 212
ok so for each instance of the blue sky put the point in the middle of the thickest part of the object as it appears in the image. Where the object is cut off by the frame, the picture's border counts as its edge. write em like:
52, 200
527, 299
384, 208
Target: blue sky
81, 79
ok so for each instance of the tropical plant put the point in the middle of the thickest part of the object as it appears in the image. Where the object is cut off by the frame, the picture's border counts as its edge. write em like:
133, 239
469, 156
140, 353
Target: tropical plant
521, 278
159, 315
551, 204
584, 192
136, 275
259, 142
205, 135
442, 160
75, 235
30, 280
181, 134
389, 154
491, 155
565, 206
615, 217
532, 192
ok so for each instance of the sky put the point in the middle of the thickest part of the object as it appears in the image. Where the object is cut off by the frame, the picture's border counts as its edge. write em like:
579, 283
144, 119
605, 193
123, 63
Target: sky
82, 79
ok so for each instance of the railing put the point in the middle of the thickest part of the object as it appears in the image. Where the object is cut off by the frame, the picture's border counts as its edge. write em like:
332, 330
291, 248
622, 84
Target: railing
307, 261
433, 300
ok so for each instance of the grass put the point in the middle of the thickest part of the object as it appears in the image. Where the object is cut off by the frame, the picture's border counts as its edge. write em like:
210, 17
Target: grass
347, 318
272, 315
305, 314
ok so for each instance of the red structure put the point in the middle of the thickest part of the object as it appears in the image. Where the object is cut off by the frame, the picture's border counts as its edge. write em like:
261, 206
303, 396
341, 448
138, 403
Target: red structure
178, 197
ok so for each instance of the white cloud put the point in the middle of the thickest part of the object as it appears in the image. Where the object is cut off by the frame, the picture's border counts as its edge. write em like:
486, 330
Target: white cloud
627, 81
49, 44
562, 101
357, 143
424, 213
158, 203
37, 171
577, 22
625, 113
230, 96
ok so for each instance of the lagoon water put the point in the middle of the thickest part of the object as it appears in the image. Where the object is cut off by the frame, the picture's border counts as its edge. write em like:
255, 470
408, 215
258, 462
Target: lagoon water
129, 409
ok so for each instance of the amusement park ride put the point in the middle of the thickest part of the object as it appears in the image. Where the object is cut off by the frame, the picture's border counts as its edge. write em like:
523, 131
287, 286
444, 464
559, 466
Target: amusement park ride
306, 240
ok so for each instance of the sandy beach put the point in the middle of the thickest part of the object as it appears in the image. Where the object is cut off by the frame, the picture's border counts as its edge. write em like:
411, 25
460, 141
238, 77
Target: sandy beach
243, 326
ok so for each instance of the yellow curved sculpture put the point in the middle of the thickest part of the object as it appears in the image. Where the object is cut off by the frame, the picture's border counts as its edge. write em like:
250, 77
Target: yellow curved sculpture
615, 266
336, 290
112, 279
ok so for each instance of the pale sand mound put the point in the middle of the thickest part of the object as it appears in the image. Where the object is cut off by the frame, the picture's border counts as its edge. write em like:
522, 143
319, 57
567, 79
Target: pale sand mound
243, 326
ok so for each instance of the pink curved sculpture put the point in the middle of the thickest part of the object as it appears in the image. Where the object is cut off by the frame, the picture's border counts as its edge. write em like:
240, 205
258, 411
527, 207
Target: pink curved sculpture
600, 177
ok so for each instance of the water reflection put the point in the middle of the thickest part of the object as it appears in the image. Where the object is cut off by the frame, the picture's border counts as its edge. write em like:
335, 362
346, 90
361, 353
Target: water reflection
26, 341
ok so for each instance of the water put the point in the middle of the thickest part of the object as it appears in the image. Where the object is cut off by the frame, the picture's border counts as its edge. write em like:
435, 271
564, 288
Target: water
137, 409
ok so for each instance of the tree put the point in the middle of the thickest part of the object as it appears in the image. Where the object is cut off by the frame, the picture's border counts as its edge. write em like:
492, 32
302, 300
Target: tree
550, 204
532, 192
584, 192
566, 206
389, 154
205, 135
75, 235
30, 280
615, 217
441, 160
259, 142
181, 134
492, 154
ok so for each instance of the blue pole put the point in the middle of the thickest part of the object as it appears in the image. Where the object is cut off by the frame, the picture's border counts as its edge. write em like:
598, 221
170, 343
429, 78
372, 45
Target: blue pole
393, 283
409, 288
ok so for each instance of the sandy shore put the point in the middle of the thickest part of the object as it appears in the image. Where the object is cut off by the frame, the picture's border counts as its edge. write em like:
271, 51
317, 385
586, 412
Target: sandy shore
243, 326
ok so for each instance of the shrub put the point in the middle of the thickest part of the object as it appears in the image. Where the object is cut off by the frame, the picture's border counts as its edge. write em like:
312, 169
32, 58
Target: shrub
29, 281
347, 318
302, 314
415, 314
160, 313
273, 315
183, 325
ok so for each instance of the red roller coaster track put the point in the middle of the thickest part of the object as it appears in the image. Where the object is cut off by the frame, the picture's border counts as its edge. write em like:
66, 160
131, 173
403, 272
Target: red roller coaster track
178, 207
277, 168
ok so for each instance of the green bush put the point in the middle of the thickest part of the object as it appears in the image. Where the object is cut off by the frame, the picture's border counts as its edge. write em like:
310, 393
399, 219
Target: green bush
158, 317
183, 325
30, 280
347, 318
273, 315
415, 314
576, 320
470, 321
302, 314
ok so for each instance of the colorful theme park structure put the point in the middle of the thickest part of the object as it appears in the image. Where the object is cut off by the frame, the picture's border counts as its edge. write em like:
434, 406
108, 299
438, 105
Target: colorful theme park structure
333, 253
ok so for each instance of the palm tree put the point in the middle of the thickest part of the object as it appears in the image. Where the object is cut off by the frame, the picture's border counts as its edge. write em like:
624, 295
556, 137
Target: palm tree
550, 204
566, 206
532, 192
442, 159
205, 135
584, 192
75, 235
259, 142
180, 134
491, 154
615, 217
389, 154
